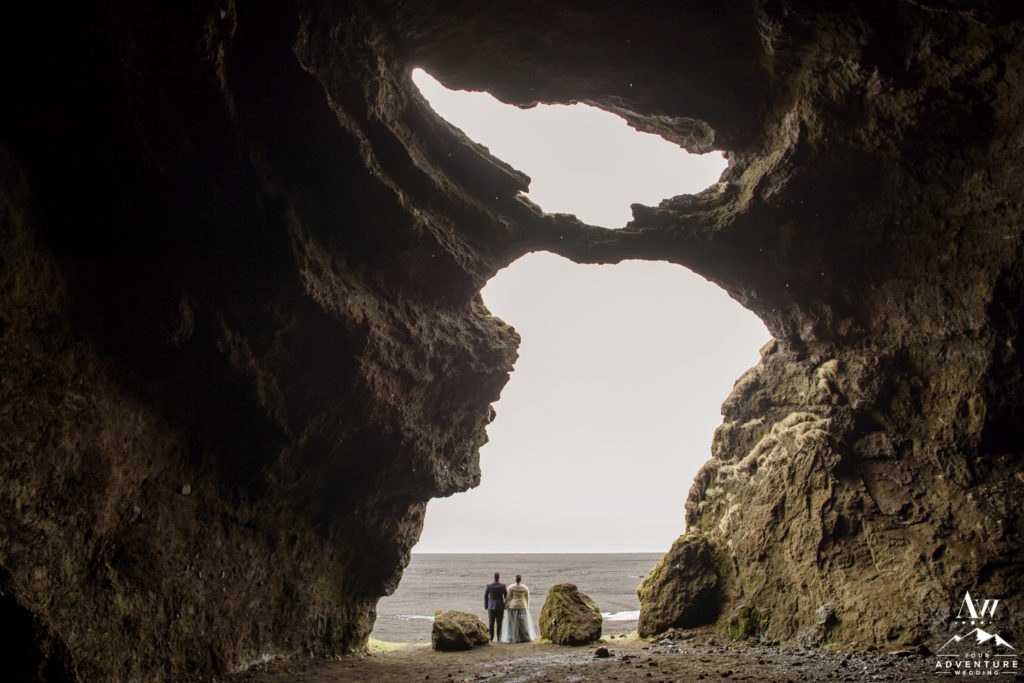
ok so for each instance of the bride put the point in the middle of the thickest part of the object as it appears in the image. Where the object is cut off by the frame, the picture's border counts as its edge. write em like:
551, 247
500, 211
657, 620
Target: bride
518, 626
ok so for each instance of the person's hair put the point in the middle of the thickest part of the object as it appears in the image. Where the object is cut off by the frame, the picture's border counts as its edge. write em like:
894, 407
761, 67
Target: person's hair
497, 576
519, 577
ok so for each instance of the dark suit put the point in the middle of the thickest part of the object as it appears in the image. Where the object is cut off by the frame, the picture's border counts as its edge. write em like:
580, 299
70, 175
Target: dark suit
494, 603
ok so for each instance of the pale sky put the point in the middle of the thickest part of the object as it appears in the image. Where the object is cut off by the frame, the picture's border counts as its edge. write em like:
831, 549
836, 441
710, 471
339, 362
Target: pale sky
622, 369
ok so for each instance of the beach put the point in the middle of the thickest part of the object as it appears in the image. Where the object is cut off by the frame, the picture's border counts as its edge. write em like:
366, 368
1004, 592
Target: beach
399, 649
685, 656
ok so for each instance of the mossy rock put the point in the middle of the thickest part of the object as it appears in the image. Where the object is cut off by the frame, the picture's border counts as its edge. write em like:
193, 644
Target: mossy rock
569, 617
454, 630
745, 622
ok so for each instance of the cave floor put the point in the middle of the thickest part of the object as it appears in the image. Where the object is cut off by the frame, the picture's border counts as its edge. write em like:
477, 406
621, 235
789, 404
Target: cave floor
700, 656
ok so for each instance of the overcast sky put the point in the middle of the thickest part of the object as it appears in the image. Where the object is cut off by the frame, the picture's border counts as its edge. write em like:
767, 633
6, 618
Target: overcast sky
622, 369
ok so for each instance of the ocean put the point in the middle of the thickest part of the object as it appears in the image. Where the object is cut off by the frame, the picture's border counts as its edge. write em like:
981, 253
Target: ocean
436, 581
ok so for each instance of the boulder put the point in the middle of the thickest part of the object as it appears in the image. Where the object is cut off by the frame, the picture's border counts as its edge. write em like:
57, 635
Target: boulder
569, 617
682, 590
454, 630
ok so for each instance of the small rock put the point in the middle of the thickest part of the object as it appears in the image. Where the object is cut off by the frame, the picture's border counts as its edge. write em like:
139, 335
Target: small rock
602, 652
825, 619
186, 489
825, 614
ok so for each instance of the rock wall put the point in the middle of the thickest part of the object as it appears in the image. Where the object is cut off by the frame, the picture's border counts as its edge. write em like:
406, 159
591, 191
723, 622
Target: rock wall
870, 461
236, 363
241, 342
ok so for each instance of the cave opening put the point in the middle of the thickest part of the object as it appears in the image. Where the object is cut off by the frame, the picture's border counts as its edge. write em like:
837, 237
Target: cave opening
622, 369
618, 363
581, 160
610, 410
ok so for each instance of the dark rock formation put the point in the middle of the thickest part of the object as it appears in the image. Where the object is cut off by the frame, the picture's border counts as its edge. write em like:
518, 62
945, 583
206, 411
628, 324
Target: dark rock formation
569, 617
241, 343
682, 590
454, 630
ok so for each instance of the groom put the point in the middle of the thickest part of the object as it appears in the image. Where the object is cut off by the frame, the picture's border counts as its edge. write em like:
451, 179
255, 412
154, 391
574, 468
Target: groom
494, 603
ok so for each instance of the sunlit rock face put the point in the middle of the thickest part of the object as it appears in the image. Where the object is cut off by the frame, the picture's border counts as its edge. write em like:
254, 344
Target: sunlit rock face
241, 343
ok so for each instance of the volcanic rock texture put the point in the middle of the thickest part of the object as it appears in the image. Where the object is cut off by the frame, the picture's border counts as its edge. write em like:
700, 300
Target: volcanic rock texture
241, 341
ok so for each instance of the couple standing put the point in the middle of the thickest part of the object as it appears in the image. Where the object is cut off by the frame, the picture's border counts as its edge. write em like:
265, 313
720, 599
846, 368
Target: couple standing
518, 626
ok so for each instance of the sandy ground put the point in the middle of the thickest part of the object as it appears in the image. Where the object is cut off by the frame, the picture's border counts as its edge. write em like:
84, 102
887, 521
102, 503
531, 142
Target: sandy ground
696, 655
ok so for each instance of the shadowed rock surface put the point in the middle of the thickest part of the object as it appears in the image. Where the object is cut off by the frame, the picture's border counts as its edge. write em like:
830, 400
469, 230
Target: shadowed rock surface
682, 589
241, 341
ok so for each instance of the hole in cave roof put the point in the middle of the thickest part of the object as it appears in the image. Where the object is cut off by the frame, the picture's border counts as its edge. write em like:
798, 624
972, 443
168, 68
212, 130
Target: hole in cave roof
581, 160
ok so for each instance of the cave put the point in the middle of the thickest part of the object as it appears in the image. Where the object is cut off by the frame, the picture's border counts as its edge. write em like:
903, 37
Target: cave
242, 343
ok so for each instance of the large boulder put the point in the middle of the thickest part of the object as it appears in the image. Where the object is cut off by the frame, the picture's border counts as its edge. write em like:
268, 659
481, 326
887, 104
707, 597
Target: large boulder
682, 590
569, 617
454, 630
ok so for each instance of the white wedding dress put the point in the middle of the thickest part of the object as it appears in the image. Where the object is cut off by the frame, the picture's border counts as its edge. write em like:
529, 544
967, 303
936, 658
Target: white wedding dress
518, 626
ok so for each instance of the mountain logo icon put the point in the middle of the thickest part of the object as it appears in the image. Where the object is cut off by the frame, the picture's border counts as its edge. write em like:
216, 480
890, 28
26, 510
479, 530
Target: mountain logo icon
981, 637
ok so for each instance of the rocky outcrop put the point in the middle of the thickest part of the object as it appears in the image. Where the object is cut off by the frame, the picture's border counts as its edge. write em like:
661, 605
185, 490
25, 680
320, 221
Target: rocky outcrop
241, 342
682, 589
857, 493
454, 630
570, 617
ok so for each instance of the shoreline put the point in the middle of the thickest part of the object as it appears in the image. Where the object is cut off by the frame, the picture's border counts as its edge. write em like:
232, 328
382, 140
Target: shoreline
686, 655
